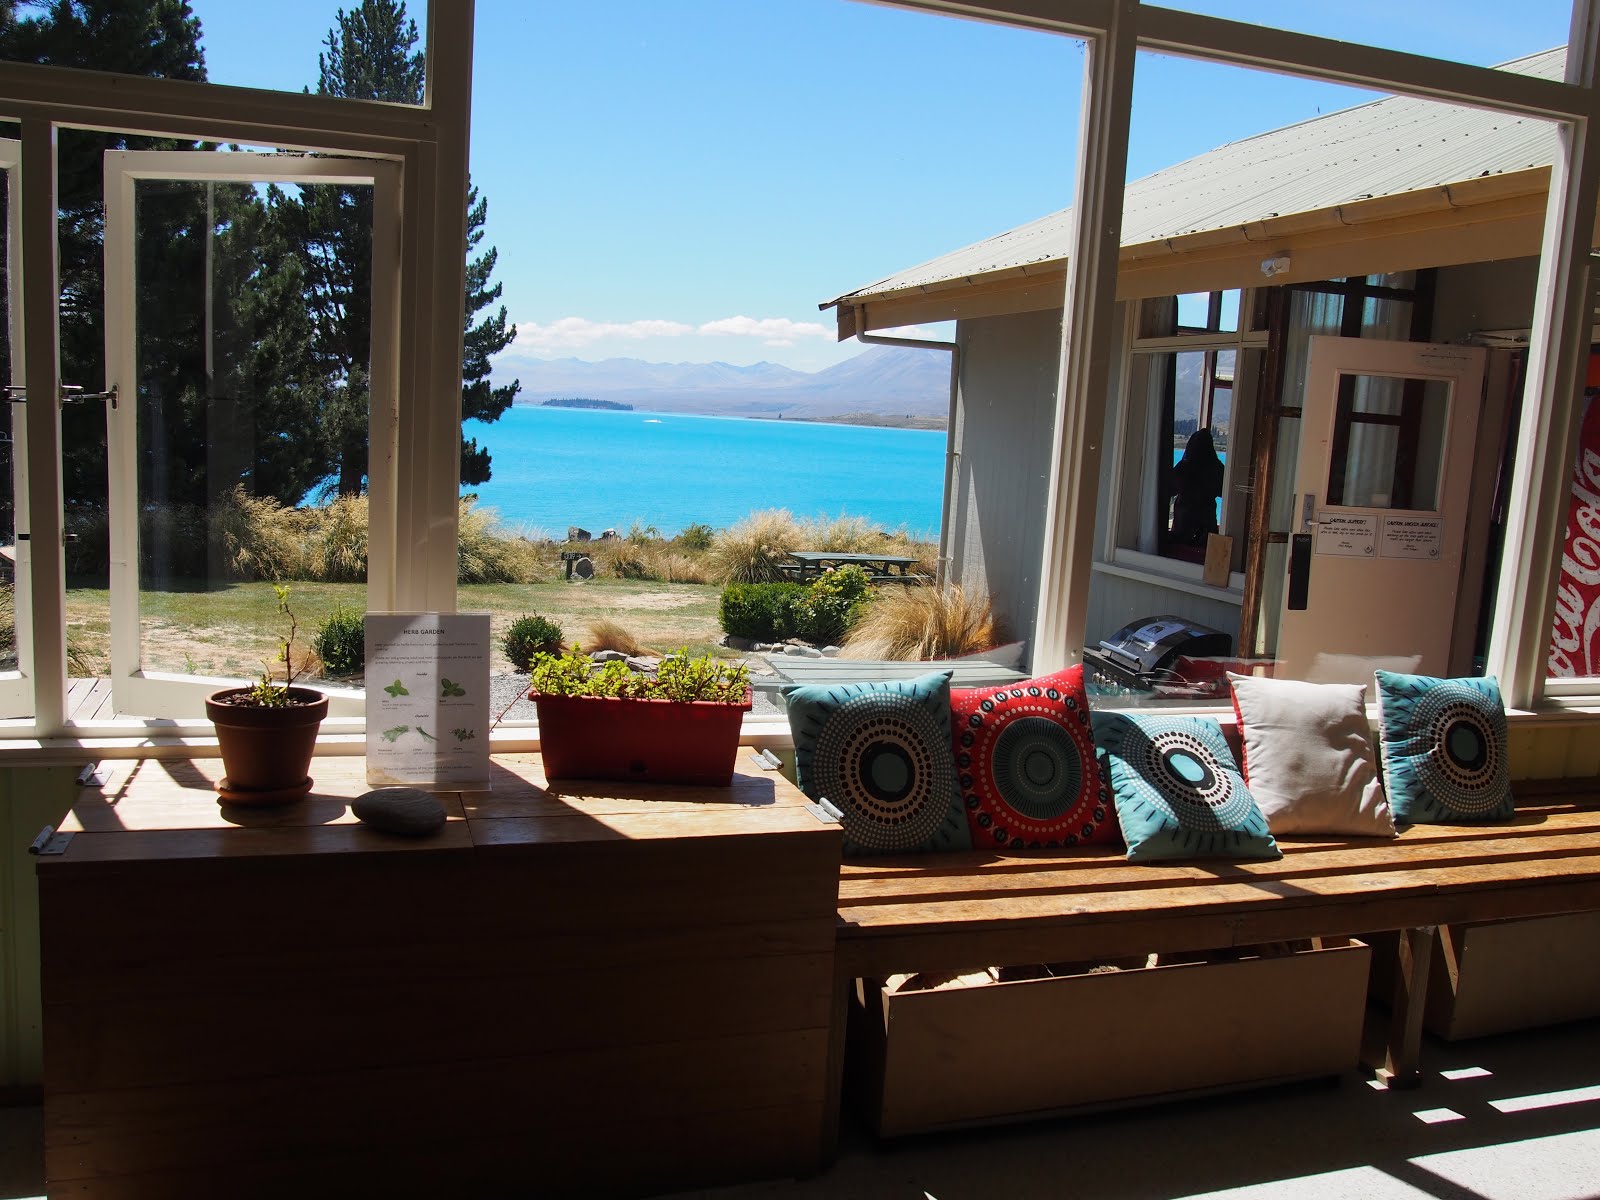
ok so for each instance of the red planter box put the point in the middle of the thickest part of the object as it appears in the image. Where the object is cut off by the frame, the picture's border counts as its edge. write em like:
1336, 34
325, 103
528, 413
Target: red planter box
663, 741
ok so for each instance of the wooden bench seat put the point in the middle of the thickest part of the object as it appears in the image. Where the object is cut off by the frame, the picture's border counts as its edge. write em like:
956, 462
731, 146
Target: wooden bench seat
972, 910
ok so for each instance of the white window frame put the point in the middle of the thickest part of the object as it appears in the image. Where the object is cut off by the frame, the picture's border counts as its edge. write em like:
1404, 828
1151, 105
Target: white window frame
431, 144
426, 146
1559, 344
134, 689
16, 687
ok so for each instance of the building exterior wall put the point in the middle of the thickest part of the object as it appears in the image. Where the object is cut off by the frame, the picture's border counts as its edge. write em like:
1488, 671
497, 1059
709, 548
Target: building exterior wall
1005, 419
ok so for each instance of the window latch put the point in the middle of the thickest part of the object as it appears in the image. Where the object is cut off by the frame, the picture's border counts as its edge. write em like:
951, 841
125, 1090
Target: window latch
71, 393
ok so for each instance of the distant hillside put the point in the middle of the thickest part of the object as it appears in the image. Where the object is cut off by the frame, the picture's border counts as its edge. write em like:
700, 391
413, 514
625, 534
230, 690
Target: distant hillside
891, 381
587, 402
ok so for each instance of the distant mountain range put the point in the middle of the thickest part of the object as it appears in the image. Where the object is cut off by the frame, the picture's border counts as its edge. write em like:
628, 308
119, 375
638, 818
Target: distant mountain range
891, 382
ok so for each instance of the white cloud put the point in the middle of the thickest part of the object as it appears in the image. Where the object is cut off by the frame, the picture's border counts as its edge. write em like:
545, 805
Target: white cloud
936, 333
774, 331
578, 333
574, 333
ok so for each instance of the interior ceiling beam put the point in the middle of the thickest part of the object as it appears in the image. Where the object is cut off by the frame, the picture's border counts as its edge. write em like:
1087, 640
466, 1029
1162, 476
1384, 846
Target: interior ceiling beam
1283, 52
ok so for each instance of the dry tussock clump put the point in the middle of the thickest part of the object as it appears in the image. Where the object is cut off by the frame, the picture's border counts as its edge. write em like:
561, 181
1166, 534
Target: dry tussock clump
606, 634
486, 552
911, 623
843, 534
260, 538
336, 549
750, 550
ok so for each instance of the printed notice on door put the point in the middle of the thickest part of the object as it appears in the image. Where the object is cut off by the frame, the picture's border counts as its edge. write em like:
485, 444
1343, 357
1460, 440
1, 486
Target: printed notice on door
428, 700
1412, 537
1352, 535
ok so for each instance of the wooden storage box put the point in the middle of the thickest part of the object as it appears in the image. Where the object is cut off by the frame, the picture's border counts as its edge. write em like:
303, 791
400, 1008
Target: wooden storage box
1009, 1051
1505, 975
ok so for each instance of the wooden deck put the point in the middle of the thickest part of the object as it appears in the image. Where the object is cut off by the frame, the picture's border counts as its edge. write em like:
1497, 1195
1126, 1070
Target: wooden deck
89, 700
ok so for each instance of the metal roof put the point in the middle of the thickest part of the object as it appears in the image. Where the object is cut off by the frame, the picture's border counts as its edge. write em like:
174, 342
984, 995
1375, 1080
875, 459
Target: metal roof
1381, 148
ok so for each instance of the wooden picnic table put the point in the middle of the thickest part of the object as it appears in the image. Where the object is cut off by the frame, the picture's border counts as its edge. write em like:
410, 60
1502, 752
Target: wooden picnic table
880, 568
964, 672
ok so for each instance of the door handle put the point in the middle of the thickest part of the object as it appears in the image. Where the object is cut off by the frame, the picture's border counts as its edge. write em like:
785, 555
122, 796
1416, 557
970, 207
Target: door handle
1299, 571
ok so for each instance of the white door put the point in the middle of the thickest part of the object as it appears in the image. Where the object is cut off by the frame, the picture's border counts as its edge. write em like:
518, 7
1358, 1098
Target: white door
154, 671
16, 649
1387, 437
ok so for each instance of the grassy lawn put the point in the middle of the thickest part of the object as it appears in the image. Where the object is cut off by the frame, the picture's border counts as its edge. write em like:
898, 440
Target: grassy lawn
229, 631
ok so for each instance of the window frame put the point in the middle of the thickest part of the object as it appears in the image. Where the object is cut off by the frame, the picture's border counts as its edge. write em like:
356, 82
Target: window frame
431, 144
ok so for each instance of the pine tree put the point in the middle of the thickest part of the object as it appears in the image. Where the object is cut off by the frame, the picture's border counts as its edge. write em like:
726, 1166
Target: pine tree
371, 54
159, 38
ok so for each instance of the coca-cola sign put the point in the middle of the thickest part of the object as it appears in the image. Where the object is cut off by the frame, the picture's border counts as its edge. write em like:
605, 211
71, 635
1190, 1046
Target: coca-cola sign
1575, 637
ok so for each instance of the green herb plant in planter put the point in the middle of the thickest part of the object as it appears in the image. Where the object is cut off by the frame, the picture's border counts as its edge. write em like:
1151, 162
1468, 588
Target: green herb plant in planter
268, 730
680, 725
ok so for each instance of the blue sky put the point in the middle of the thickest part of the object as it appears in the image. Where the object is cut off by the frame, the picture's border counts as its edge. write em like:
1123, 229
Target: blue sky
684, 180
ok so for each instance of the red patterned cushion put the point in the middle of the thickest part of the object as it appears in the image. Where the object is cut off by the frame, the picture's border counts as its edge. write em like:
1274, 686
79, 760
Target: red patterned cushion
1026, 764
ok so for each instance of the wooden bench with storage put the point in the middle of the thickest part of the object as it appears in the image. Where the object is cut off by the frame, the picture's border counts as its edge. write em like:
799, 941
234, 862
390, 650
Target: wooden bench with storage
970, 911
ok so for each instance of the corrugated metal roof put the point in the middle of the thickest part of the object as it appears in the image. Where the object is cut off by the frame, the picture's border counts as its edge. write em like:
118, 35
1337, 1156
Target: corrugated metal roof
1382, 148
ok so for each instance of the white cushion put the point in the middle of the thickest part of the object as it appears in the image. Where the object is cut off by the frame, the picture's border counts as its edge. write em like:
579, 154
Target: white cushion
1308, 756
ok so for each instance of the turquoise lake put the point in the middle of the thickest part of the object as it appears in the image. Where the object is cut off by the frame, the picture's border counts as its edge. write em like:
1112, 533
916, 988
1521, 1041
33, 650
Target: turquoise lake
554, 467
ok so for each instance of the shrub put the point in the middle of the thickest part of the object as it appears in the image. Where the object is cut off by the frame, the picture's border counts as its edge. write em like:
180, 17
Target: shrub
336, 550
762, 612
923, 622
697, 537
833, 603
606, 634
340, 642
751, 550
528, 636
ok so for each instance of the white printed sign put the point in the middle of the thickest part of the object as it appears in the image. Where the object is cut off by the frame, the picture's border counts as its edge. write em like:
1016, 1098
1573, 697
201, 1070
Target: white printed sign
428, 699
1350, 535
1412, 537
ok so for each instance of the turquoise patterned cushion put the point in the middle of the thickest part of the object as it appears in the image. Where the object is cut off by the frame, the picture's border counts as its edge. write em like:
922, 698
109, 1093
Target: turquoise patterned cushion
879, 753
1444, 749
1178, 791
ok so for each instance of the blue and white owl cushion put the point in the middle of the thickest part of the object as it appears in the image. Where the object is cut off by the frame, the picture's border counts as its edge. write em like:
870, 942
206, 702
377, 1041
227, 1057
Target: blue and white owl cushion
1444, 749
1178, 791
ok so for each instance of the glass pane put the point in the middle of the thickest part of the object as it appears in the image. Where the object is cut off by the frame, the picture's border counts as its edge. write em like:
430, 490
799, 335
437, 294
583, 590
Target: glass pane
245, 45
1194, 310
15, 694
1388, 443
1575, 636
1230, 311
252, 419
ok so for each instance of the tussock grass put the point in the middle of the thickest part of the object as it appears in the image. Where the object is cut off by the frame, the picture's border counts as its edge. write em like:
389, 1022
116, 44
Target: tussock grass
487, 552
606, 634
750, 550
911, 623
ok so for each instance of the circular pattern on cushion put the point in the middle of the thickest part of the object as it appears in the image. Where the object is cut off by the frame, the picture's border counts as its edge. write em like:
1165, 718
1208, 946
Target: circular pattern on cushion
1198, 789
873, 761
1463, 767
1025, 756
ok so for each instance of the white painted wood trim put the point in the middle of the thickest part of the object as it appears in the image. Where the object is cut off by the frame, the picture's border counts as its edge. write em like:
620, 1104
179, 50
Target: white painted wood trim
1259, 47
135, 690
1558, 357
16, 688
41, 334
1088, 332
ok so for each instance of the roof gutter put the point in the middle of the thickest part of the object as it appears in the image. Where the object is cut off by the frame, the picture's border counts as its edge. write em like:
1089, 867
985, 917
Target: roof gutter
952, 431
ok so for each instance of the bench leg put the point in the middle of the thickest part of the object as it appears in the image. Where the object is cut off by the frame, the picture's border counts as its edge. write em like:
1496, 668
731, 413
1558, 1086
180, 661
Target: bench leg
1402, 1067
833, 1098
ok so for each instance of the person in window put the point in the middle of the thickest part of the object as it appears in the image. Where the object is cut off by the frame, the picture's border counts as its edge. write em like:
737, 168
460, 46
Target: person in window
1196, 488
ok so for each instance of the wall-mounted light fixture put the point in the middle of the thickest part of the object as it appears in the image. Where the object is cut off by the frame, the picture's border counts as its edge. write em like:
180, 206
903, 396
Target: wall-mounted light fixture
1276, 265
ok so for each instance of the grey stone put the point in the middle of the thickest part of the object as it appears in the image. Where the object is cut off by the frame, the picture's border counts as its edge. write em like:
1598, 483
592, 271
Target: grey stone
404, 810
810, 652
796, 651
830, 652
608, 656
645, 665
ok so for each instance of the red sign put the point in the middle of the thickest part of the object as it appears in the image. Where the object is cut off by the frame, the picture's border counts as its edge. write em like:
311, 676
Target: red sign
1575, 638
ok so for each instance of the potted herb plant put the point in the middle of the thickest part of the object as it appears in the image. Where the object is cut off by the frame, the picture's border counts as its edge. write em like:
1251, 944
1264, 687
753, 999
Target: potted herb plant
267, 730
680, 725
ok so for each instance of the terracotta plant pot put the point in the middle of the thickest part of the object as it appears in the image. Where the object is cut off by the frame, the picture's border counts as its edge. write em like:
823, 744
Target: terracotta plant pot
266, 752
663, 741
